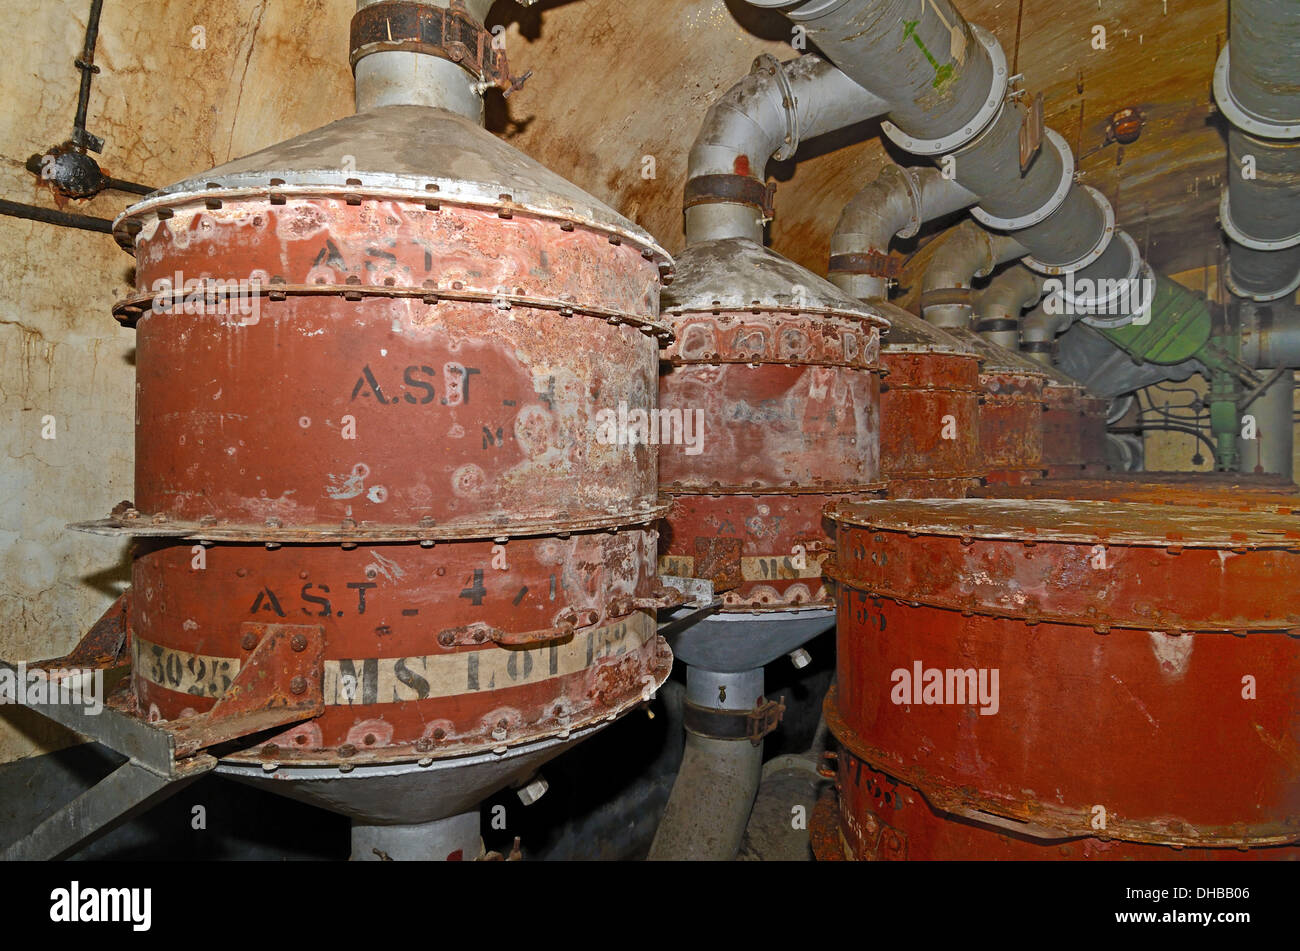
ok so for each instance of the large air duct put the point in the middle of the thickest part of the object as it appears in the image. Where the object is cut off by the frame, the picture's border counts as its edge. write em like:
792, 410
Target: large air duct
1255, 87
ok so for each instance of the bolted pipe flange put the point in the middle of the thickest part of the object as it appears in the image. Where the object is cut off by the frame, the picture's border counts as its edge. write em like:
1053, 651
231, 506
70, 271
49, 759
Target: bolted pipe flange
1245, 240
1052, 203
982, 119
767, 63
1107, 233
914, 192
1086, 305
1239, 115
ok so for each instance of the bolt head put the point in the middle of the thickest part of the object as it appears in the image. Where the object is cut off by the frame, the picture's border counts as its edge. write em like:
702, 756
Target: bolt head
249, 642
299, 643
298, 685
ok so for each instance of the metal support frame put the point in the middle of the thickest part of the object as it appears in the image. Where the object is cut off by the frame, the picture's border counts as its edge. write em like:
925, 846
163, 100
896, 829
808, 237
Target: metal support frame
279, 683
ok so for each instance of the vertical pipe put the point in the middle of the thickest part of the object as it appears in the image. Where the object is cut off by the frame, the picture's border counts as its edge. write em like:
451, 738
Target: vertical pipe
711, 800
1272, 449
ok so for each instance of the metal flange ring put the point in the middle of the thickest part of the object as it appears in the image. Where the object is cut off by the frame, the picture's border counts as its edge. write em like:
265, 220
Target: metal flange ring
1239, 115
1107, 233
914, 192
982, 119
1084, 307
1052, 203
769, 63
1263, 297
1245, 240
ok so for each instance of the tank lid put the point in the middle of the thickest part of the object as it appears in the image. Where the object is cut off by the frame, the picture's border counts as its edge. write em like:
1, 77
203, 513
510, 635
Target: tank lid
995, 358
1074, 521
910, 334
411, 152
741, 275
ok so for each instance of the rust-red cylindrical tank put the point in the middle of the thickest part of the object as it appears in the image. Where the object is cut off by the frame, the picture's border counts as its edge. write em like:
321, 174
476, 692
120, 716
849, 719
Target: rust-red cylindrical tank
780, 373
1046, 669
1011, 415
387, 420
929, 410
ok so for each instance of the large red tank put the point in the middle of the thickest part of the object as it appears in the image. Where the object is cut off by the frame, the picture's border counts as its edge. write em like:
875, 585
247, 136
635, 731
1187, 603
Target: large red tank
929, 410
782, 372
391, 434
1046, 669
1012, 412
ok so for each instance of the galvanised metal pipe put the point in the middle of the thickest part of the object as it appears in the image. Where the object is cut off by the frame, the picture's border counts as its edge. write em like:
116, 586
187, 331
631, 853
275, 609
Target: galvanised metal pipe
903, 51
1038, 331
1273, 446
968, 252
946, 82
896, 204
768, 112
999, 306
1256, 88
1270, 335
408, 78
1260, 73
713, 795
1260, 211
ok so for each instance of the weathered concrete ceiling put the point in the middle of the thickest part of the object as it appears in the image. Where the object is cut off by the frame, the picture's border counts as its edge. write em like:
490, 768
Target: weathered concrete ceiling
614, 83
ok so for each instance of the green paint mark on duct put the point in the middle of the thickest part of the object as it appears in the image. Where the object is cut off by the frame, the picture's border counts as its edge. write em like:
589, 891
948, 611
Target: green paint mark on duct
943, 72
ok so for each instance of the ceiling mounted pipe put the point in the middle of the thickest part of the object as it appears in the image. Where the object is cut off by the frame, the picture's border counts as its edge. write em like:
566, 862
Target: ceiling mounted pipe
895, 205
968, 251
999, 305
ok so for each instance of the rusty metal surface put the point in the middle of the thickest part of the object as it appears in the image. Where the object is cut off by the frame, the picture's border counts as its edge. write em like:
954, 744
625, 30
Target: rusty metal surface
255, 431
1063, 418
279, 681
401, 408
1242, 492
417, 640
763, 552
782, 372
824, 829
1011, 414
877, 818
769, 427
930, 423
1092, 436
1111, 629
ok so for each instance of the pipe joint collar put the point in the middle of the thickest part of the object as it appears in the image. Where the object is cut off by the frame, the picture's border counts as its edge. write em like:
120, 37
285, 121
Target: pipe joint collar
982, 119
1103, 242
1246, 240
767, 63
1238, 114
1052, 203
1262, 297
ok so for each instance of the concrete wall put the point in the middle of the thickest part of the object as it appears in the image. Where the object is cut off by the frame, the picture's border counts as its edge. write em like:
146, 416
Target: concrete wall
170, 100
